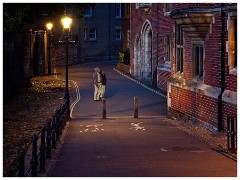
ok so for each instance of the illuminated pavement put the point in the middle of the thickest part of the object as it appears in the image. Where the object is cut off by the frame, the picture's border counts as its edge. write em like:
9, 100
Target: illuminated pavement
121, 146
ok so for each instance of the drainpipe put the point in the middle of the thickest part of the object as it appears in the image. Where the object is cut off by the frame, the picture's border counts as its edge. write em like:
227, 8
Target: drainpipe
109, 32
155, 83
223, 85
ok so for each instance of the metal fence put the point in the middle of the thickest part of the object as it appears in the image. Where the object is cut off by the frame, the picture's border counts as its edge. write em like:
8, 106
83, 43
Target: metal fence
30, 161
232, 134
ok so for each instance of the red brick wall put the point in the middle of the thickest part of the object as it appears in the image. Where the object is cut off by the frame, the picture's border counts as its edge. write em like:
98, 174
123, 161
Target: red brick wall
194, 105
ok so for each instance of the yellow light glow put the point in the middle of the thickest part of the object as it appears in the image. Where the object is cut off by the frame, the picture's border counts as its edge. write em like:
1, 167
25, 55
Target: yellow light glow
49, 26
66, 22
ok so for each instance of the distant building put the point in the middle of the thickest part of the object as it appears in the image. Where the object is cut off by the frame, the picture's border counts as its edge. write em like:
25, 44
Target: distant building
100, 32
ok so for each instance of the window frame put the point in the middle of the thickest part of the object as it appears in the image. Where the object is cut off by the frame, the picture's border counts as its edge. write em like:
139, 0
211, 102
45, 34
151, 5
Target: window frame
85, 34
118, 10
118, 32
93, 33
179, 54
90, 12
232, 43
198, 61
167, 46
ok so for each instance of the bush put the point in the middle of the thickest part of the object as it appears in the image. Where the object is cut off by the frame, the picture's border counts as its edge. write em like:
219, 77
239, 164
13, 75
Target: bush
124, 56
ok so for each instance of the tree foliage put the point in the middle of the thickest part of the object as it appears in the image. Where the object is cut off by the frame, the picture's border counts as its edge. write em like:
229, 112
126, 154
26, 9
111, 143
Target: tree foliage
24, 16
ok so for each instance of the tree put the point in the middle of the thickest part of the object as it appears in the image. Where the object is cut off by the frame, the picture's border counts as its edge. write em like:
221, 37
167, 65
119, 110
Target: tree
24, 16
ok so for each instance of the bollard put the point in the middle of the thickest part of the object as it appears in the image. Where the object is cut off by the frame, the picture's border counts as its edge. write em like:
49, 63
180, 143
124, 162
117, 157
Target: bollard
34, 161
104, 111
42, 151
21, 170
135, 107
57, 126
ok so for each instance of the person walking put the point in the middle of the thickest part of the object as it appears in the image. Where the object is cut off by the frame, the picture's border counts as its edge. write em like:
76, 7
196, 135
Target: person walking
103, 85
96, 83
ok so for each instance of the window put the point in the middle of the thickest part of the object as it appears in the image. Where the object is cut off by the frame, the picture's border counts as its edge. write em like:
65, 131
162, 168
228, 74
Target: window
118, 34
127, 10
92, 34
118, 10
85, 34
198, 61
232, 52
167, 7
179, 49
88, 12
167, 47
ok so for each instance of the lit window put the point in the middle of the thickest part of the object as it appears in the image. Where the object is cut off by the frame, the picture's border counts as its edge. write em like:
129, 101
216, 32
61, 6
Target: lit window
232, 52
88, 12
118, 34
92, 34
118, 10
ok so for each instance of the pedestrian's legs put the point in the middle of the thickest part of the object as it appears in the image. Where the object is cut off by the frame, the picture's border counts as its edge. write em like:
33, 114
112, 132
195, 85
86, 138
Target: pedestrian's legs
103, 91
95, 93
99, 91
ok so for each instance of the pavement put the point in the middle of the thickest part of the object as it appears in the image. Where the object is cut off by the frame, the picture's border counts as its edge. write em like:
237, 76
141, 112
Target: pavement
151, 145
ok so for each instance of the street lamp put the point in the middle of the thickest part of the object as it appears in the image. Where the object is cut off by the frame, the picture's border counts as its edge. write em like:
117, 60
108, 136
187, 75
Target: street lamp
66, 22
49, 28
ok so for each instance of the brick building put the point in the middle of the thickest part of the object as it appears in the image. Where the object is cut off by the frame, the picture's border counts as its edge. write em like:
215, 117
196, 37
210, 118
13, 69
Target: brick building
192, 46
151, 48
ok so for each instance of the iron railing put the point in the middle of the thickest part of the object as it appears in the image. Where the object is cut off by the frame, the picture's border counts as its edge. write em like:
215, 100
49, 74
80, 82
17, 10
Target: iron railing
30, 161
232, 134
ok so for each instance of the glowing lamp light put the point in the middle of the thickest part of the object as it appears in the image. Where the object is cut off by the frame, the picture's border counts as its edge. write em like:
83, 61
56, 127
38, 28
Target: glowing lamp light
66, 22
49, 26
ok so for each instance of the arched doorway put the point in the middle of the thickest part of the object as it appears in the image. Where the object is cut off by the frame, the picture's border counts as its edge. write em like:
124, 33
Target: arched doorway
147, 53
137, 59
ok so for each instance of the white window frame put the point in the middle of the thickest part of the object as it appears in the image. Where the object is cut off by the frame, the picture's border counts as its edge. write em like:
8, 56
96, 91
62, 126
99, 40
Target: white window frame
94, 33
85, 34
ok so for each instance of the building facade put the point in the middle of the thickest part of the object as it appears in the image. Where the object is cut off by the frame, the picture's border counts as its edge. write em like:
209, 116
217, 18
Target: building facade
151, 48
189, 50
100, 32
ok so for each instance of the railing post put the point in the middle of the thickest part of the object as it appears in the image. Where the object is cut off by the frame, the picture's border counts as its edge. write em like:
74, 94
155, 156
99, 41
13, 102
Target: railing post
34, 161
135, 107
232, 136
54, 132
104, 111
42, 151
49, 131
21, 170
57, 125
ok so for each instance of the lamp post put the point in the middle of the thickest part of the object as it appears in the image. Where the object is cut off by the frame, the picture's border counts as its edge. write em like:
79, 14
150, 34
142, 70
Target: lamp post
66, 22
49, 28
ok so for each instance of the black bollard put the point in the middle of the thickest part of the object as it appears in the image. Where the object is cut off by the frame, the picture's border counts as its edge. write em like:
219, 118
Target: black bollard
104, 111
135, 107
54, 133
